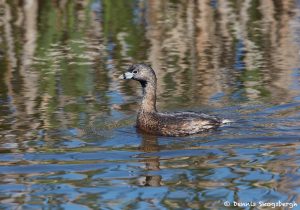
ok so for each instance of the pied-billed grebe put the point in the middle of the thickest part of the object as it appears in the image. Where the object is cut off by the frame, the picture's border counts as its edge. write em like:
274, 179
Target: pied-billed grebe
166, 124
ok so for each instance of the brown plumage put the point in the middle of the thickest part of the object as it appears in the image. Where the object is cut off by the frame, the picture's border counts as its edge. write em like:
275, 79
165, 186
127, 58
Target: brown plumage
166, 124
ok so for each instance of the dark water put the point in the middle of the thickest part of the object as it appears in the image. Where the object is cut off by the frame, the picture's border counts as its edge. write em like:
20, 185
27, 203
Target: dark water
67, 135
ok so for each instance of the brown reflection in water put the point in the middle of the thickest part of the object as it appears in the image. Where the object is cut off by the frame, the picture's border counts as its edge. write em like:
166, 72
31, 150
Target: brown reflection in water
284, 56
150, 144
195, 47
171, 33
19, 35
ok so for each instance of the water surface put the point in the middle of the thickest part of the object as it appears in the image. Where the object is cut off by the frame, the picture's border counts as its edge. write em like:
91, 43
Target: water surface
67, 135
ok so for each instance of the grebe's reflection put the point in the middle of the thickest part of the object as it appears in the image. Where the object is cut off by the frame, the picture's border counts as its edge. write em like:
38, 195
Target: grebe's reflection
149, 145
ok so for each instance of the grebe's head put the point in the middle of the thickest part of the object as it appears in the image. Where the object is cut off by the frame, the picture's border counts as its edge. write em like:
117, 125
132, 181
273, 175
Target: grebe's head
140, 72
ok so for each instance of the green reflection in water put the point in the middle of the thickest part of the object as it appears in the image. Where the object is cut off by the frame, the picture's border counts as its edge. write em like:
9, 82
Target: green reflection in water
124, 25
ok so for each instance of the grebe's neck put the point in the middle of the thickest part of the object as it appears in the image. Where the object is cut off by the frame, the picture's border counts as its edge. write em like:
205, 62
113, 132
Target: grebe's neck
149, 96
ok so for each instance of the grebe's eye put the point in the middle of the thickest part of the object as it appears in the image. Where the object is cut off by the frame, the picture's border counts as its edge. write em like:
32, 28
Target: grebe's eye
135, 71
